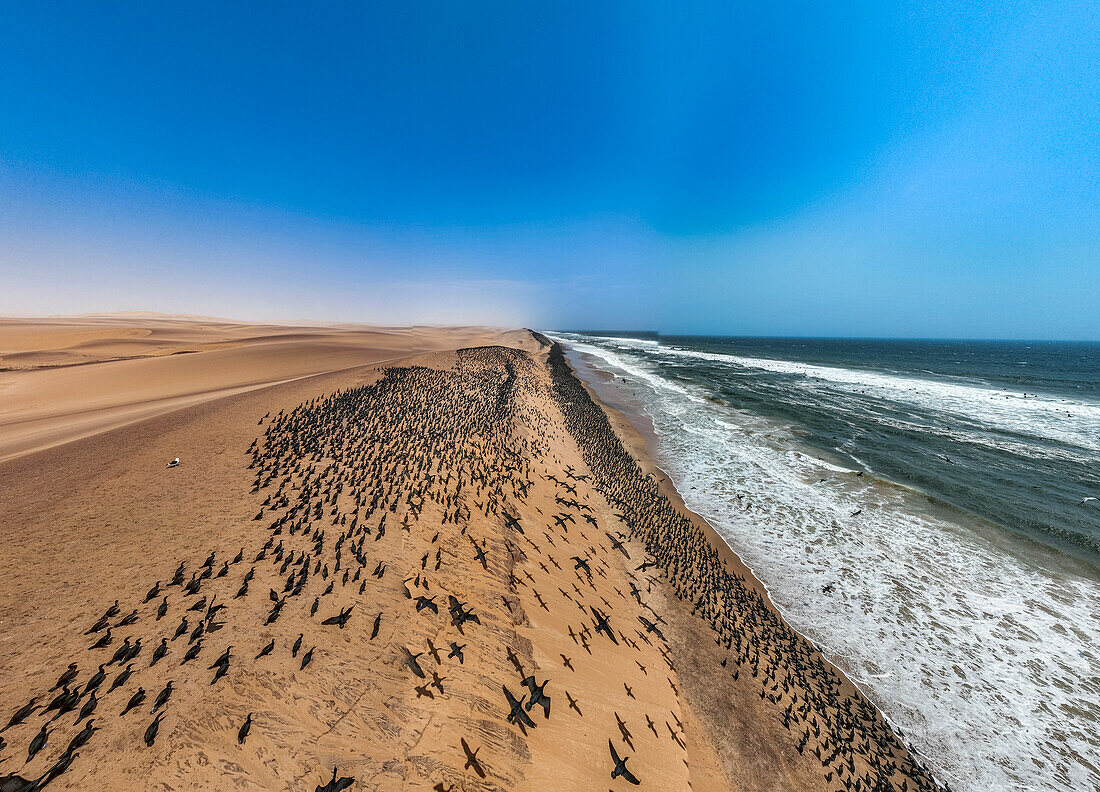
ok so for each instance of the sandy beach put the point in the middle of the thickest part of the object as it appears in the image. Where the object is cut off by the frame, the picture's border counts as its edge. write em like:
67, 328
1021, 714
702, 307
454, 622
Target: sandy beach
413, 558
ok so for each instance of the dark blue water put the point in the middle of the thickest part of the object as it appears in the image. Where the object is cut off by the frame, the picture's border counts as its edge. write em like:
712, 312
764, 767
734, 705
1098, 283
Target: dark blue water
1008, 431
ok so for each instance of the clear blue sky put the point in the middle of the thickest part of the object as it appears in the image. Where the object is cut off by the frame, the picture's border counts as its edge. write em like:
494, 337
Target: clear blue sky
779, 168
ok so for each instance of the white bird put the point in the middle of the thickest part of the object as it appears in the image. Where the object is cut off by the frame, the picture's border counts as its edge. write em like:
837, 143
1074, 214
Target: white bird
174, 463
1086, 500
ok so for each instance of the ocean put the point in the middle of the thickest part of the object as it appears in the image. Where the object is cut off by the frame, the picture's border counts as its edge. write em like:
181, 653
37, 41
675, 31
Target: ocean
915, 508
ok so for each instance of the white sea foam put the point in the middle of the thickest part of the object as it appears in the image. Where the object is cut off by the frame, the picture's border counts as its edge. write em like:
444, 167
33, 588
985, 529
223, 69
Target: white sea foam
1075, 422
990, 664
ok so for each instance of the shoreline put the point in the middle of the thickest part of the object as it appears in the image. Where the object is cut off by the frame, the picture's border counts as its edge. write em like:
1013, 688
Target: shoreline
637, 434
640, 444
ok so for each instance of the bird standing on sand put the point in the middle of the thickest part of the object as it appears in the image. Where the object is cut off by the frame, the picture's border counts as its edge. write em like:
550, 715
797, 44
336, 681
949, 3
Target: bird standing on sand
65, 678
151, 732
135, 701
38, 743
22, 713
82, 737
162, 698
242, 733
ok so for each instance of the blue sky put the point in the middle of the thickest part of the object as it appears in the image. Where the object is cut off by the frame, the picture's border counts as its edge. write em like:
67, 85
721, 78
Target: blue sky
780, 168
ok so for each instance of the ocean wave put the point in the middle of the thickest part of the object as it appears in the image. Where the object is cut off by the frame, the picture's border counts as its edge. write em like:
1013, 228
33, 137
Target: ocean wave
983, 653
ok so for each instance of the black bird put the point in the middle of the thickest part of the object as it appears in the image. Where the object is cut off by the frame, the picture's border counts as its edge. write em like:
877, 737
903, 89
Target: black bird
81, 737
222, 664
121, 679
313, 607
162, 609
65, 678
153, 592
213, 609
620, 766
245, 728
104, 641
112, 611
306, 658
135, 701
193, 652
223, 659
516, 714
54, 704
460, 614
336, 784
222, 671
602, 625
297, 645
341, 619
616, 544
471, 759
181, 629
456, 651
67, 703
99, 625
23, 713
409, 661
537, 695
38, 743
151, 732
177, 579
132, 652
159, 652
162, 698
88, 708
267, 649
95, 681
377, 624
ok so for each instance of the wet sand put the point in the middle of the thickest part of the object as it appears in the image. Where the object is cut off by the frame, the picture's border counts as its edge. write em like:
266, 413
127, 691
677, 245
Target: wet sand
416, 469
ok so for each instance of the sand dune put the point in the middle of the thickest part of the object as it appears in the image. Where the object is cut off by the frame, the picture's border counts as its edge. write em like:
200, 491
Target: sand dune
65, 378
387, 490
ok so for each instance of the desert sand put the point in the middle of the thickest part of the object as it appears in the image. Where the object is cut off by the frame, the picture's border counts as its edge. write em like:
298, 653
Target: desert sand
374, 537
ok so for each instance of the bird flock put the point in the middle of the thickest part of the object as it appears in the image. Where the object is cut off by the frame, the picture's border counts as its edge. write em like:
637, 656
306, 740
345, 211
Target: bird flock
409, 516
832, 721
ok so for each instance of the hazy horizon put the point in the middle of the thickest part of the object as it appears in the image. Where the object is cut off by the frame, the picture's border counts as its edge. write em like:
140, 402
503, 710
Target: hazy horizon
920, 172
